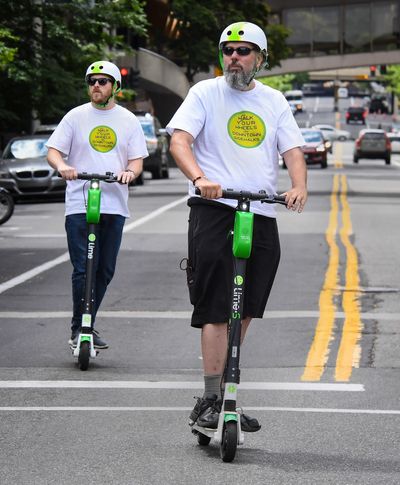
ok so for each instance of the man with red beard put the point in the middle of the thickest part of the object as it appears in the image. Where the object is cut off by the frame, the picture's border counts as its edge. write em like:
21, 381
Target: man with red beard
229, 132
96, 137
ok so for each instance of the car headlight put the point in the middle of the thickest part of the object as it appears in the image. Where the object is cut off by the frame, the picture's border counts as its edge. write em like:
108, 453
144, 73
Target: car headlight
321, 148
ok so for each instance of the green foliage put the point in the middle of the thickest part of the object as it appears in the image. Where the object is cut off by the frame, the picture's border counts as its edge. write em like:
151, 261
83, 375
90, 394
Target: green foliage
52, 43
201, 24
281, 83
7, 53
393, 79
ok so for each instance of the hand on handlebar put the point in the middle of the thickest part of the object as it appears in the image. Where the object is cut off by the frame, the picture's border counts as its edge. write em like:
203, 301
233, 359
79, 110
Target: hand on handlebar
296, 198
67, 172
126, 177
209, 189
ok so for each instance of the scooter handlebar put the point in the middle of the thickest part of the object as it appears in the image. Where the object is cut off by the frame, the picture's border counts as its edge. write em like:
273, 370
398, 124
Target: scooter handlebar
261, 196
107, 177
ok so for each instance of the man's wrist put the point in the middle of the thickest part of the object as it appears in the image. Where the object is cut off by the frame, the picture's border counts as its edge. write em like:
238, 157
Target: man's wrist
198, 178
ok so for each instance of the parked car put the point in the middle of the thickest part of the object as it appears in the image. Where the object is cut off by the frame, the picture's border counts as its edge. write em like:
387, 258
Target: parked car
157, 142
24, 170
331, 133
372, 144
315, 151
356, 113
394, 141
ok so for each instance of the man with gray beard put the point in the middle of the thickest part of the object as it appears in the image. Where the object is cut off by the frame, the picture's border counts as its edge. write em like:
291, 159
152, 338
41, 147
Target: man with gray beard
229, 132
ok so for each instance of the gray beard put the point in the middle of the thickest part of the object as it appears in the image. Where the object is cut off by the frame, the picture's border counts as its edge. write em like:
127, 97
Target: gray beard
238, 79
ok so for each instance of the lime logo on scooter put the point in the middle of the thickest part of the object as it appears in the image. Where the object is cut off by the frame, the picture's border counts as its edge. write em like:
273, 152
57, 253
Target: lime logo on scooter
92, 239
237, 296
238, 280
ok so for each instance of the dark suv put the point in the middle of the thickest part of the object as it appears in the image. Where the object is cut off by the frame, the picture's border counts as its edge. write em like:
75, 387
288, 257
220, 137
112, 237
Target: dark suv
356, 113
372, 144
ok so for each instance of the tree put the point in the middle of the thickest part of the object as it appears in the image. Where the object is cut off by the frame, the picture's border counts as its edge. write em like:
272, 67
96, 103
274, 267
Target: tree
52, 42
200, 26
393, 79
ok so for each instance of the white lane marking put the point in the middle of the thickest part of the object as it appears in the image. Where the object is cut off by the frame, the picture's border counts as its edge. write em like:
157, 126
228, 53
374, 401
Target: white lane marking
184, 315
277, 386
154, 214
65, 257
186, 409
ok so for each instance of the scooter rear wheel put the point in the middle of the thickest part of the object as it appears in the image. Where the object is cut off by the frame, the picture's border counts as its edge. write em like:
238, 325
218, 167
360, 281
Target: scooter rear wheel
203, 440
84, 354
229, 441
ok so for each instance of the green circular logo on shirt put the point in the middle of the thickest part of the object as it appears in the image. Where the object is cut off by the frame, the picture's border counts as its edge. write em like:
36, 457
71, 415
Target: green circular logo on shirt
246, 129
103, 139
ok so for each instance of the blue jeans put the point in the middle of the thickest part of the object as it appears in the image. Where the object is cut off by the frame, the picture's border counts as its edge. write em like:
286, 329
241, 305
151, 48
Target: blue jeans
108, 239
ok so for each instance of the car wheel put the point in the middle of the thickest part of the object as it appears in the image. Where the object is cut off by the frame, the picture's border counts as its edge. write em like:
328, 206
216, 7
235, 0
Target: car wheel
342, 138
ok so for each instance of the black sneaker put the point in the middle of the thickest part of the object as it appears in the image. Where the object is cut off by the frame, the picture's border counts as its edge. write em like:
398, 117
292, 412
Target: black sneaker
206, 412
98, 342
249, 425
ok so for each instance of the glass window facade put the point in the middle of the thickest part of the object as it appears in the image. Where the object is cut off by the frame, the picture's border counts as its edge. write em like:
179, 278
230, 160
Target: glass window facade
326, 31
357, 28
299, 21
343, 29
385, 28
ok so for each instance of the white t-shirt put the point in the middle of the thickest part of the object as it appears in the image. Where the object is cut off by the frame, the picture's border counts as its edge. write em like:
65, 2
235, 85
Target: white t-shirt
238, 136
99, 141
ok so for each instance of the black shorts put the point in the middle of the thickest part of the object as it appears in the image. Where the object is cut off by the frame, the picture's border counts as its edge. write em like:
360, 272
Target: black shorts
210, 261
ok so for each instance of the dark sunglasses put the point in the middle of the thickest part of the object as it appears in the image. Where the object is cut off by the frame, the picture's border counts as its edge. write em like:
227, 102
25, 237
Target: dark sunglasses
101, 80
241, 51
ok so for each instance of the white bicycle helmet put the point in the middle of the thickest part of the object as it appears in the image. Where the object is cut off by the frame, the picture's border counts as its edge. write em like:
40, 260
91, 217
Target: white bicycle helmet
105, 67
245, 32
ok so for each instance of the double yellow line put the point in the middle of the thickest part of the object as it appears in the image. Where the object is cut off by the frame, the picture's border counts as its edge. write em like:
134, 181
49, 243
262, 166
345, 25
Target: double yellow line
349, 351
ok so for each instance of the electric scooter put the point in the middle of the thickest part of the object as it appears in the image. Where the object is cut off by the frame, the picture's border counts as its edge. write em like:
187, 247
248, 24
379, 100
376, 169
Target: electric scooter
6, 205
229, 433
84, 349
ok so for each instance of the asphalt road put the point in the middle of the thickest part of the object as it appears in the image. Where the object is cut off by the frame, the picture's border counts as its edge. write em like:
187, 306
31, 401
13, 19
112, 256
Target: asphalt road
320, 370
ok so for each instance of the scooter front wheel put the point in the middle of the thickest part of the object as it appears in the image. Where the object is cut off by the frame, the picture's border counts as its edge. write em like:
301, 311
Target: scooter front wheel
229, 441
84, 354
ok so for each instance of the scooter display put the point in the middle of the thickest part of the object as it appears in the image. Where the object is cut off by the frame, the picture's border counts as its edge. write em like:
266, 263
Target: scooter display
6, 205
229, 433
84, 349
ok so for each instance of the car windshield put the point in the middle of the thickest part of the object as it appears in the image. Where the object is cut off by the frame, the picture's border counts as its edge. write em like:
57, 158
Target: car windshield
312, 136
148, 129
27, 148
